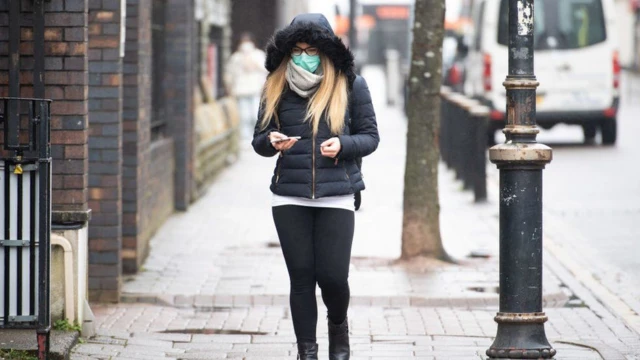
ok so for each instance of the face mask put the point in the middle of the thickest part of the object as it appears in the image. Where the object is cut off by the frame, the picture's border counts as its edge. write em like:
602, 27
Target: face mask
309, 63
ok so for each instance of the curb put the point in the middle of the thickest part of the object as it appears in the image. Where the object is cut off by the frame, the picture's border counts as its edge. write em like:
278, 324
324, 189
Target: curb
558, 299
584, 278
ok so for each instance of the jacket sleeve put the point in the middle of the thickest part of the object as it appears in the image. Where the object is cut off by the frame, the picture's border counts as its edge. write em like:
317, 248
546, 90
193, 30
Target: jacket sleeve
364, 137
260, 142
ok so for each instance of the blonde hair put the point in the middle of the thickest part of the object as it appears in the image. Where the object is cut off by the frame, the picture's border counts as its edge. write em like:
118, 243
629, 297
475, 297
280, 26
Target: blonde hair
330, 99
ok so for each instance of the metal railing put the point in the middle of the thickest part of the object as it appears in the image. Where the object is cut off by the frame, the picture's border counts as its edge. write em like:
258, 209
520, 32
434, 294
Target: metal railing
25, 217
463, 140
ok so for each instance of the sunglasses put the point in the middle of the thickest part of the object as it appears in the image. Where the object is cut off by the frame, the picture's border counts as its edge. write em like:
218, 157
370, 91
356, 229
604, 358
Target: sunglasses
311, 51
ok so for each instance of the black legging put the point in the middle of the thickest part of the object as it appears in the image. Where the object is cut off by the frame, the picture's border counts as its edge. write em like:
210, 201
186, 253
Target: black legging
316, 243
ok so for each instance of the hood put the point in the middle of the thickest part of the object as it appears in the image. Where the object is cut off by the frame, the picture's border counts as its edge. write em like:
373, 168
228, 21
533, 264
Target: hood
314, 29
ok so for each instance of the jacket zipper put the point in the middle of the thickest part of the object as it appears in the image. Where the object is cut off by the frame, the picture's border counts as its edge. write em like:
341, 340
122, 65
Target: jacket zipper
344, 165
278, 169
281, 155
313, 170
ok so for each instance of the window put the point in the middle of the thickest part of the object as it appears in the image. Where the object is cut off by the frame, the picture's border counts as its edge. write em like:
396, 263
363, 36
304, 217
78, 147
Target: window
216, 36
566, 24
581, 23
158, 113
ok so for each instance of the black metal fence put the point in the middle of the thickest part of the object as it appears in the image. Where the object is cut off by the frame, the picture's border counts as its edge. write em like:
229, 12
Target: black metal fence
25, 188
463, 140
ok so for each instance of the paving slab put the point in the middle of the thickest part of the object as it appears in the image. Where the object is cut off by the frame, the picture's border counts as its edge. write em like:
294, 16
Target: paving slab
25, 340
376, 332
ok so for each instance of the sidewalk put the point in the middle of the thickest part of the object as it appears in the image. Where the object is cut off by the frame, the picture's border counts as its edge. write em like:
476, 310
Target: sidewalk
215, 285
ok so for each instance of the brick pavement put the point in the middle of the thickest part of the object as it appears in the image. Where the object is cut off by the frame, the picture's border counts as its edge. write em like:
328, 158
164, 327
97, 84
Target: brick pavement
214, 287
257, 275
224, 242
265, 332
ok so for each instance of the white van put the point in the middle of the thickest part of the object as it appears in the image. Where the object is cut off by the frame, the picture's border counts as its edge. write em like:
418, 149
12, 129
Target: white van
576, 63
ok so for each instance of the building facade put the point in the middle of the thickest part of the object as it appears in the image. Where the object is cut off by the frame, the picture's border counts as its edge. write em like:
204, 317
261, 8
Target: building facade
262, 18
626, 21
139, 128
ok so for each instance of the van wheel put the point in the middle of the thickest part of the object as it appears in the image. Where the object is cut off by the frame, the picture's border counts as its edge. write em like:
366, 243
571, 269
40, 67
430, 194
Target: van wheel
609, 131
589, 131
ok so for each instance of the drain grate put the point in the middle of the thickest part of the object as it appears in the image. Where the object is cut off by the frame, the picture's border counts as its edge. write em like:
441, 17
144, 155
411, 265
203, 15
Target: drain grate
485, 289
480, 254
211, 332
214, 309
575, 302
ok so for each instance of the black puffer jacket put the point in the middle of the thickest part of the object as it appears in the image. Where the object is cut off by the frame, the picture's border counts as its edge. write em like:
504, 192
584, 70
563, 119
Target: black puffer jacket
302, 171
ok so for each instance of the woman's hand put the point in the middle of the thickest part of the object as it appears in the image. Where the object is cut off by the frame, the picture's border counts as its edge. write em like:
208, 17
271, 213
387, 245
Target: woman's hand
331, 147
281, 145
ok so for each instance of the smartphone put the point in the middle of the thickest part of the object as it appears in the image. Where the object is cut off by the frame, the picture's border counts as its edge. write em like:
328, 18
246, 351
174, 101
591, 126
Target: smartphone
285, 139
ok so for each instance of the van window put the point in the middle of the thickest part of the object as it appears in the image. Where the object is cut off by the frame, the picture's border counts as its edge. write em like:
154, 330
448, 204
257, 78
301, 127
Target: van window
566, 24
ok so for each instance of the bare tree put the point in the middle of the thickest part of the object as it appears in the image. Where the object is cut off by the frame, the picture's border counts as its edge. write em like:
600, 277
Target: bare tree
421, 219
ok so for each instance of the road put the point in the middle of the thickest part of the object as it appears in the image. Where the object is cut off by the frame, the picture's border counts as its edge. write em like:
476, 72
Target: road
592, 193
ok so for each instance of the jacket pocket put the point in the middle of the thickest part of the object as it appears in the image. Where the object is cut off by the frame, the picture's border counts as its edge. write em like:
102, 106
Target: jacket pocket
346, 173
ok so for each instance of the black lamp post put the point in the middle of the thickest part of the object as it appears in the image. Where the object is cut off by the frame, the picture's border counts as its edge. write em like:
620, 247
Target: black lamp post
521, 160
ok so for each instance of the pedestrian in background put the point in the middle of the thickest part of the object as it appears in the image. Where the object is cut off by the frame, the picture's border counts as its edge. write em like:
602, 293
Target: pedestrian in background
244, 78
318, 116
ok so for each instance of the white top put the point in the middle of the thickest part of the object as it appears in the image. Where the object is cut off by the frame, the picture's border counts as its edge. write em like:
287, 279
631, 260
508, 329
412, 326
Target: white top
245, 73
345, 202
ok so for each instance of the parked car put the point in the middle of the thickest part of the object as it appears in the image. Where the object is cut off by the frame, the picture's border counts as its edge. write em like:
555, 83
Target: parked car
453, 55
576, 63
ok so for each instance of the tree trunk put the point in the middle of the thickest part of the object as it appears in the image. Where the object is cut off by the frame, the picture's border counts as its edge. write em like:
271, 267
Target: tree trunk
421, 219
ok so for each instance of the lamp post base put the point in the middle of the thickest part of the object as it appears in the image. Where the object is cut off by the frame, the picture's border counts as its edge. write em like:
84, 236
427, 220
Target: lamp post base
521, 336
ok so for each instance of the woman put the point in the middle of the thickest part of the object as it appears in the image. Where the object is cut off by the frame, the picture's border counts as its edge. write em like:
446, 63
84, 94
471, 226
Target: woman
312, 93
244, 77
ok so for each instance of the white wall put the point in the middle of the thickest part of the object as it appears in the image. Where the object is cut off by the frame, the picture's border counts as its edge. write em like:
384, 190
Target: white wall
289, 9
625, 31
327, 8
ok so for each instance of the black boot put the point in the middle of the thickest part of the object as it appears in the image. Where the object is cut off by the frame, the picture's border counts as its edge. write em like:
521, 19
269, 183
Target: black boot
339, 341
307, 351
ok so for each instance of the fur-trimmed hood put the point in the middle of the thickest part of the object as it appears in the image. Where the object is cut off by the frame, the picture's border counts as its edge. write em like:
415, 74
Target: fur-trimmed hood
314, 29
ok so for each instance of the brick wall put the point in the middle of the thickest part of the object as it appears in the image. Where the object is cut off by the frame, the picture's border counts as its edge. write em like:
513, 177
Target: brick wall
157, 203
136, 122
180, 62
101, 115
66, 83
105, 149
140, 217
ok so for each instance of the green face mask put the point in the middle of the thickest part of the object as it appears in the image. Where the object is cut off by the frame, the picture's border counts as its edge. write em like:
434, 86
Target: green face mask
307, 62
